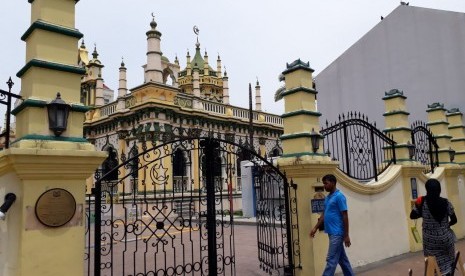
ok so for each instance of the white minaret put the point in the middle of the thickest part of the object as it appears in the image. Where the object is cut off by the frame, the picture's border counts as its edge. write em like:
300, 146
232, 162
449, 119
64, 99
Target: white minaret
225, 88
205, 65
258, 98
218, 67
97, 69
122, 88
153, 69
99, 100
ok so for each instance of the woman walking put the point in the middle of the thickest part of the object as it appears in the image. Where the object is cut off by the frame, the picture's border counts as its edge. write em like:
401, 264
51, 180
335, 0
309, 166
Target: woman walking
438, 238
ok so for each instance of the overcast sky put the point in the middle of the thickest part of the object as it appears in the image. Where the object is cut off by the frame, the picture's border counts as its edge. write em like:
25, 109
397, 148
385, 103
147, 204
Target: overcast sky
255, 39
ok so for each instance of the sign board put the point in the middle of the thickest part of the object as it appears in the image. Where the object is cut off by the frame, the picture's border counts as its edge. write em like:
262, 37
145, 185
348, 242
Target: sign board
318, 205
413, 186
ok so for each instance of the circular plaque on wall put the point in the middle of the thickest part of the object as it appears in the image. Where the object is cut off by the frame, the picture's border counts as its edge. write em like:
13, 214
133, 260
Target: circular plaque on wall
55, 207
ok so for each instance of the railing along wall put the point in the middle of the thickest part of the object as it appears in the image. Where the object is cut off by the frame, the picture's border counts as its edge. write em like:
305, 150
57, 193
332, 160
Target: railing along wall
363, 151
108, 109
426, 147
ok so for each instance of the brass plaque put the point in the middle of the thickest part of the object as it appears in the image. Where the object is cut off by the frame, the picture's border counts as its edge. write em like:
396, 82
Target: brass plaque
55, 207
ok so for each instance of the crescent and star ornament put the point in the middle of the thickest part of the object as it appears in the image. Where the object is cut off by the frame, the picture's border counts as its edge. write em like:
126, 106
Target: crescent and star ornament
196, 30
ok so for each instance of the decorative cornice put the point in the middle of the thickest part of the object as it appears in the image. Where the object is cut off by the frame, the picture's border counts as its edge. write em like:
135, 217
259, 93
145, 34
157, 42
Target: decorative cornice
42, 25
296, 135
394, 93
52, 66
442, 136
299, 89
456, 126
296, 65
437, 123
386, 130
435, 106
396, 112
51, 138
42, 104
301, 112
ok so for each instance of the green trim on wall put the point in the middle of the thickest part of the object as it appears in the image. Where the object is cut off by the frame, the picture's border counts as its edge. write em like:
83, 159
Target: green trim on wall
52, 66
42, 104
437, 123
301, 112
436, 109
51, 28
394, 96
386, 130
442, 136
80, 108
456, 126
28, 103
298, 154
396, 112
51, 138
299, 89
297, 135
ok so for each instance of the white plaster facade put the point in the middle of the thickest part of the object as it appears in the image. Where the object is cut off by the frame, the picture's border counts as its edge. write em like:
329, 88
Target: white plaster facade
417, 50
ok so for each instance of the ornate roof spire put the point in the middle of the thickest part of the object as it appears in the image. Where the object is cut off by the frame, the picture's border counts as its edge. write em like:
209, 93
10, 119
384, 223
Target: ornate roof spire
95, 54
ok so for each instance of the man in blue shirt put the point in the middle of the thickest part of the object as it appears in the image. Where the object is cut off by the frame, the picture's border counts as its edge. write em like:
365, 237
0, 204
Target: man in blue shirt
336, 224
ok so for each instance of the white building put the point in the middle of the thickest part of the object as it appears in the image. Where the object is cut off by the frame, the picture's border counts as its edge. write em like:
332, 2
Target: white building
419, 51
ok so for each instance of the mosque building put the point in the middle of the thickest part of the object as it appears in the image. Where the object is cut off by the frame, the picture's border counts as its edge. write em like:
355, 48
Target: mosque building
172, 102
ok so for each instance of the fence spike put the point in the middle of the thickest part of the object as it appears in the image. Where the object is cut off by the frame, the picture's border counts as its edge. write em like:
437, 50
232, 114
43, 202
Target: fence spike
343, 117
326, 122
374, 123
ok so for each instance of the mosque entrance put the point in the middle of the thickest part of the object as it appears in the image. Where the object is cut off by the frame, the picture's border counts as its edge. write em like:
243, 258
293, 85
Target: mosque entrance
171, 209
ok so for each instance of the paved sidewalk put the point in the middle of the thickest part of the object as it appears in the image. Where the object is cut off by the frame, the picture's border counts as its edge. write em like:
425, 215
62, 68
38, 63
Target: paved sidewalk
399, 265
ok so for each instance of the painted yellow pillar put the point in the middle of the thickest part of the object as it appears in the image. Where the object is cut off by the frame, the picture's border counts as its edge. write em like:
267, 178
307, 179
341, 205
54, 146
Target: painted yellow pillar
457, 131
437, 122
452, 186
397, 124
303, 162
39, 161
410, 177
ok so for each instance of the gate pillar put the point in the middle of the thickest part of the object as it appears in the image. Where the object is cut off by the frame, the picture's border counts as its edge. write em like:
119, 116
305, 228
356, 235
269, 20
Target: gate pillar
304, 162
43, 232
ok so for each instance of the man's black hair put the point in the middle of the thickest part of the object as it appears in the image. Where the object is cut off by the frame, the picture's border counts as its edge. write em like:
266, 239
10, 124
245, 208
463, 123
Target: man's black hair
330, 178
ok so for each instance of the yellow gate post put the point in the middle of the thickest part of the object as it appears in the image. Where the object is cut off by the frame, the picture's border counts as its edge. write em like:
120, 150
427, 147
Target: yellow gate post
47, 166
303, 161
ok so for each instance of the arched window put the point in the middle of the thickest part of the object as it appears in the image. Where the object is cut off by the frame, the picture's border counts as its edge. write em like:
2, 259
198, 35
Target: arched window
241, 156
179, 163
110, 164
276, 151
134, 164
216, 167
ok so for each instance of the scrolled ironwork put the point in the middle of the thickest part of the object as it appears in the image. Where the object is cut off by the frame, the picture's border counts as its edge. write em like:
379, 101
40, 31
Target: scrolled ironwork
6, 99
426, 147
185, 222
363, 151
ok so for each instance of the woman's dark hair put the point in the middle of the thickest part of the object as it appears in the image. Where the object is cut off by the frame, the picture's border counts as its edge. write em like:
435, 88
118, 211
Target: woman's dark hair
436, 204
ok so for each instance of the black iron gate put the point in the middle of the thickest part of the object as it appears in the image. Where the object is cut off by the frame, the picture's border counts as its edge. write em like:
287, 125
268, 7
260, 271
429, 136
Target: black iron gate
426, 147
169, 210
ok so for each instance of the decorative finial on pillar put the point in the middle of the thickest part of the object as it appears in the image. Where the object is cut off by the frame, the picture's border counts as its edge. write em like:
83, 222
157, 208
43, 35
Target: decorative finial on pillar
196, 32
